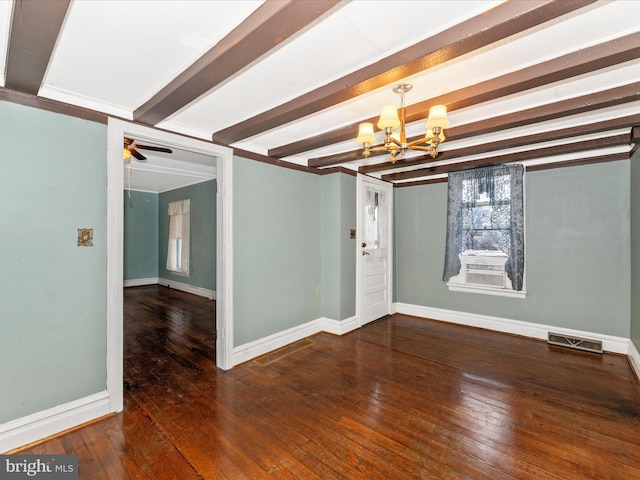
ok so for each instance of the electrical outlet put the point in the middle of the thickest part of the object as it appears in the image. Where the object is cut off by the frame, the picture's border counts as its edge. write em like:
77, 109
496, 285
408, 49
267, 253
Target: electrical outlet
318, 290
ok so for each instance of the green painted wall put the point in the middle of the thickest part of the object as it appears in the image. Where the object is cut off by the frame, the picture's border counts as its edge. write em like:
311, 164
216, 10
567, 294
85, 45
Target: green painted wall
140, 235
330, 246
338, 250
52, 292
202, 262
635, 249
577, 251
277, 249
348, 247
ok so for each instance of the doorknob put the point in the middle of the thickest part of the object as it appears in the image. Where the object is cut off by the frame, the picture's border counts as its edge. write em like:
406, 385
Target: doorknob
364, 245
364, 252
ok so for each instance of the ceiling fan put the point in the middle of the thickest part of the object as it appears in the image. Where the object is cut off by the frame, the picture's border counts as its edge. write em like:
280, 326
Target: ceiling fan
131, 148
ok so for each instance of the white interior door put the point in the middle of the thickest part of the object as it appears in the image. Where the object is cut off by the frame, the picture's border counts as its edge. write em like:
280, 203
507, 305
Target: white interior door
374, 254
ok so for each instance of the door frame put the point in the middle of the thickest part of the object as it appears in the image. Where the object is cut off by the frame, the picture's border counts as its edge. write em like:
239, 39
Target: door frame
117, 129
360, 181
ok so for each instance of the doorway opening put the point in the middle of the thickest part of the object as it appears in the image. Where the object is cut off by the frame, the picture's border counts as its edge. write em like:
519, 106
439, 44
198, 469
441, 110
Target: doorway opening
119, 130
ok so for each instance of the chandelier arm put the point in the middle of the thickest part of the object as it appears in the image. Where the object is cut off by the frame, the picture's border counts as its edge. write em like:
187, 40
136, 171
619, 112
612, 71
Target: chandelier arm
392, 145
419, 141
421, 148
379, 148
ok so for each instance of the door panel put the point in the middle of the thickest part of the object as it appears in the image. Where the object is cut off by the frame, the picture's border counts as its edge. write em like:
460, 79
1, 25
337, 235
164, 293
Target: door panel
374, 249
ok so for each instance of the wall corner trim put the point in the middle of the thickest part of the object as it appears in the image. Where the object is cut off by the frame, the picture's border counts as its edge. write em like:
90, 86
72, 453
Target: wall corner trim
634, 359
40, 425
339, 327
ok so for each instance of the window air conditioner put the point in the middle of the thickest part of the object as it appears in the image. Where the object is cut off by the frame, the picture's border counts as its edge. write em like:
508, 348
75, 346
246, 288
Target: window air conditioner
485, 275
483, 269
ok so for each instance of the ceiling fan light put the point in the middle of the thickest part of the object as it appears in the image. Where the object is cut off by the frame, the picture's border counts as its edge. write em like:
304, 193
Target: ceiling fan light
366, 134
126, 154
437, 117
388, 117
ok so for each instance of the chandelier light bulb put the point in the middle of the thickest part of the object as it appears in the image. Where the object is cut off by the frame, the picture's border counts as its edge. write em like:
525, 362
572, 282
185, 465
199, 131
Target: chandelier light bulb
366, 134
389, 118
437, 117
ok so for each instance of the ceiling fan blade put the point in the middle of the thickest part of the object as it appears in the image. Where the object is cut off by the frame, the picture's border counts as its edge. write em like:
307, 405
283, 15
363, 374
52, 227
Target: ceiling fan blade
154, 149
137, 154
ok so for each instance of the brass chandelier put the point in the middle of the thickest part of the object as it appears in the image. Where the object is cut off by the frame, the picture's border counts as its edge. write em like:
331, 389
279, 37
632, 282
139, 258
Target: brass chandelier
395, 142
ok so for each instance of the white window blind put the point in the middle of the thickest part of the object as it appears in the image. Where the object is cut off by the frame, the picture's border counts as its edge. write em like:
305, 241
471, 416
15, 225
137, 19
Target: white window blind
178, 248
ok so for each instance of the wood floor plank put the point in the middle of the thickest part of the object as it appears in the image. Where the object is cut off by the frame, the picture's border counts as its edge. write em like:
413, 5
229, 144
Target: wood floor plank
401, 398
337, 401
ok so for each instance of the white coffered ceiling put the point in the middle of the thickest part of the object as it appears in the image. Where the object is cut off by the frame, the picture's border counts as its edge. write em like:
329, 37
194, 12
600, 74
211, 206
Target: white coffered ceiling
293, 88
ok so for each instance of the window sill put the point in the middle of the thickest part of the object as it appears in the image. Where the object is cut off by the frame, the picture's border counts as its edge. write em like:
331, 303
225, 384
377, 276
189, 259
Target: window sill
501, 292
179, 274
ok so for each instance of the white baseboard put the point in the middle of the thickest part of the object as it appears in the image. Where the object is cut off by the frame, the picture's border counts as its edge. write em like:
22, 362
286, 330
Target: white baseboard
139, 282
634, 358
516, 327
185, 287
265, 345
339, 327
40, 425
254, 349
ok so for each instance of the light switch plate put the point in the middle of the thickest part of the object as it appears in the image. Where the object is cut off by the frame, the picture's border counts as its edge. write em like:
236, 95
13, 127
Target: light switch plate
85, 237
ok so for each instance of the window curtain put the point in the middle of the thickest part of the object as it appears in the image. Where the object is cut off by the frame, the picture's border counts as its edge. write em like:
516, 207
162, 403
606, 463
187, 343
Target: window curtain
178, 248
503, 186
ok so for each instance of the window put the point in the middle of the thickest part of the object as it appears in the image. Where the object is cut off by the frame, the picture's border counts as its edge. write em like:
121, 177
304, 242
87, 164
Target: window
178, 247
487, 222
374, 236
485, 228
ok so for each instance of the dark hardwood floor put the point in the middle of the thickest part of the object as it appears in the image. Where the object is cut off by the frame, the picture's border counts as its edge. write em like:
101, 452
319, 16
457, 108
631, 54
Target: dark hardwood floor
401, 398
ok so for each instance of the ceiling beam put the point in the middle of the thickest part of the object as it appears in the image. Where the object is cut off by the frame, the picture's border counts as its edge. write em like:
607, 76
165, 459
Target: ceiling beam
614, 157
274, 22
596, 57
549, 136
586, 60
598, 143
417, 183
35, 27
497, 24
551, 111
